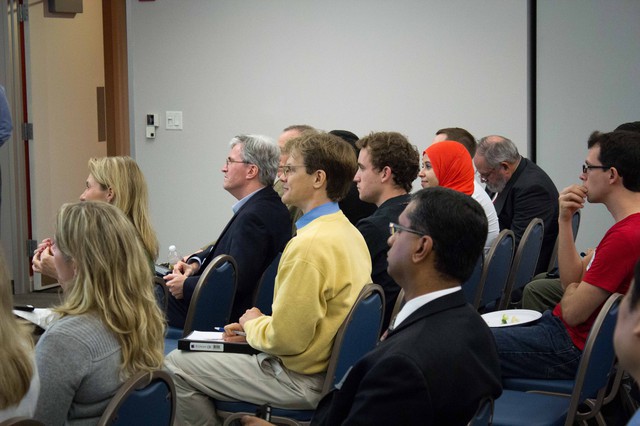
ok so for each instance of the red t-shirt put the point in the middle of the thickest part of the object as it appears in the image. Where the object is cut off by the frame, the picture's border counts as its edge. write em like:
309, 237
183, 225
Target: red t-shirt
611, 269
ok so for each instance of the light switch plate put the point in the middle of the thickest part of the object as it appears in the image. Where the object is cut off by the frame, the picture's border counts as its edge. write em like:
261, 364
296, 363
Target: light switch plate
173, 120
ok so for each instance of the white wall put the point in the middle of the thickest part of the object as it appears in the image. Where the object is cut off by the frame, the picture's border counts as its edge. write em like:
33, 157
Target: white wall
257, 66
588, 79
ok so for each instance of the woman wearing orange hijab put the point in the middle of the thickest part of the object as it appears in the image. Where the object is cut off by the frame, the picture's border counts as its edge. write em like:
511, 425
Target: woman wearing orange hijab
449, 164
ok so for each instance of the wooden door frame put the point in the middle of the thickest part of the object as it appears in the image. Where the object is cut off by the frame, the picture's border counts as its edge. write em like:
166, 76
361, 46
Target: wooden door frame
116, 76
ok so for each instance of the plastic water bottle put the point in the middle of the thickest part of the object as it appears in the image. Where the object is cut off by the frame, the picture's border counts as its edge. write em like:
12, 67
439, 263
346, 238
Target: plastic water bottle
173, 257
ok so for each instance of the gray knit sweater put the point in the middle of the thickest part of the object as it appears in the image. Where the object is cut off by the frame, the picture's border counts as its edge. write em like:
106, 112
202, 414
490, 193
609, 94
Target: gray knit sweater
79, 365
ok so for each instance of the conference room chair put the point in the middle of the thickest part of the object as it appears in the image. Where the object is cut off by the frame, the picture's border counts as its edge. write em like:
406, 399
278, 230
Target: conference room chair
484, 414
211, 302
495, 272
263, 298
553, 262
524, 263
146, 399
357, 335
534, 408
471, 287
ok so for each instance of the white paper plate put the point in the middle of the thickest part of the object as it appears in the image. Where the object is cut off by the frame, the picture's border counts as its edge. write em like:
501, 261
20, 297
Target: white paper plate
512, 317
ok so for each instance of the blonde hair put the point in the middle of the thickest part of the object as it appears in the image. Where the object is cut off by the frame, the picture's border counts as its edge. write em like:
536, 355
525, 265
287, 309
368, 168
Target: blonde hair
125, 178
16, 348
112, 280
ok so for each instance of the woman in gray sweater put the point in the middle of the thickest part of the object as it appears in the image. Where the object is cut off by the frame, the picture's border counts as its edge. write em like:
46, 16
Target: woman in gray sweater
109, 325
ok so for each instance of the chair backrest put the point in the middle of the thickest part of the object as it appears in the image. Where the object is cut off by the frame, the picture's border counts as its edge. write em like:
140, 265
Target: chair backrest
397, 306
553, 262
144, 399
495, 271
471, 287
213, 296
263, 298
21, 421
357, 335
524, 263
484, 414
161, 292
598, 357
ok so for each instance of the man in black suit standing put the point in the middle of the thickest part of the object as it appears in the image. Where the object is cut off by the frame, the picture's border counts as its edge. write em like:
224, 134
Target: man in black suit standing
520, 191
387, 165
439, 360
258, 230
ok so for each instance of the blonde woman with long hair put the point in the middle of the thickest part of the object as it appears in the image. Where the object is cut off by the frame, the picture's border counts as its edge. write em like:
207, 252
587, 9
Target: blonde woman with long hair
109, 325
118, 181
19, 384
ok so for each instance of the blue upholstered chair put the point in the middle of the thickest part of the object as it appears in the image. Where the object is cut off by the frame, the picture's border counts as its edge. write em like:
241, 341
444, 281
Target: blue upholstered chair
484, 415
471, 287
144, 399
263, 298
533, 408
495, 271
553, 262
211, 302
356, 336
523, 267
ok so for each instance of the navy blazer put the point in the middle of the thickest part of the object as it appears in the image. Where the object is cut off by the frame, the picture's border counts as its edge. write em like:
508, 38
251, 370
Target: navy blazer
530, 193
375, 230
258, 231
433, 369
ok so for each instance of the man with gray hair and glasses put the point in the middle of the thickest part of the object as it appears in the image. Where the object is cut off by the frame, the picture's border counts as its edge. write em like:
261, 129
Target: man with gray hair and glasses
259, 229
520, 191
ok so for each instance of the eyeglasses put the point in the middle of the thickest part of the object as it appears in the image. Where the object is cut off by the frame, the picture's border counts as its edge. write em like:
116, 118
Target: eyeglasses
229, 160
289, 168
587, 167
394, 227
485, 176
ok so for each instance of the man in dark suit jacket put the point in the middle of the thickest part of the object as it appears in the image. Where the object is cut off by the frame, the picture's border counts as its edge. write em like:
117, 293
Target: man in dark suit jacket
258, 230
521, 191
440, 359
387, 165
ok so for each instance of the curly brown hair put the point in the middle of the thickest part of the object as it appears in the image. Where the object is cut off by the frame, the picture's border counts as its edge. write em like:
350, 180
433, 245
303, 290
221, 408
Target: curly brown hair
393, 150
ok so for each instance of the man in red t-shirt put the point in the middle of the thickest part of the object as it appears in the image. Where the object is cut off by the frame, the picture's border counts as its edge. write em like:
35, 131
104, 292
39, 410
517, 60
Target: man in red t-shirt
551, 348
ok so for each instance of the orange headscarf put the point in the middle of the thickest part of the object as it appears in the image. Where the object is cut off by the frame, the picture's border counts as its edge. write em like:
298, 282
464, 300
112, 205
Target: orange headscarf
452, 165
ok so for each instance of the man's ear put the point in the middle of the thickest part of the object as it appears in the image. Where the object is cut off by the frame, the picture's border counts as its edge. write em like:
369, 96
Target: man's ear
614, 176
424, 247
253, 171
386, 174
319, 179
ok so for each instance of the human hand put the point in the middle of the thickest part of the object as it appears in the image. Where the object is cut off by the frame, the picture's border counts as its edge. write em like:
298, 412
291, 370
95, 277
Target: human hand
186, 269
175, 284
571, 199
234, 333
250, 314
45, 244
43, 263
253, 421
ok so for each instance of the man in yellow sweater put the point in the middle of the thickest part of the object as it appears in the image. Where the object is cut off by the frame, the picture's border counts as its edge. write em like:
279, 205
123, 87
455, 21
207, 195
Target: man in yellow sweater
322, 270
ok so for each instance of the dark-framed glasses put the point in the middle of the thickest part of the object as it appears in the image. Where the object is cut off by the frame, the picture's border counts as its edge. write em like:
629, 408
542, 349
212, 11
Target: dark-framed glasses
587, 167
395, 228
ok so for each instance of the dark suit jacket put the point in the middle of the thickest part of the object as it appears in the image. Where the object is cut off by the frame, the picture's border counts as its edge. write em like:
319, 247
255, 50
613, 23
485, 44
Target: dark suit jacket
353, 207
258, 231
433, 369
530, 193
375, 230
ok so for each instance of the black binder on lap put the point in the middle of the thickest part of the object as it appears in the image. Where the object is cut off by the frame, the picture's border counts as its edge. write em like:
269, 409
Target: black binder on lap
211, 341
